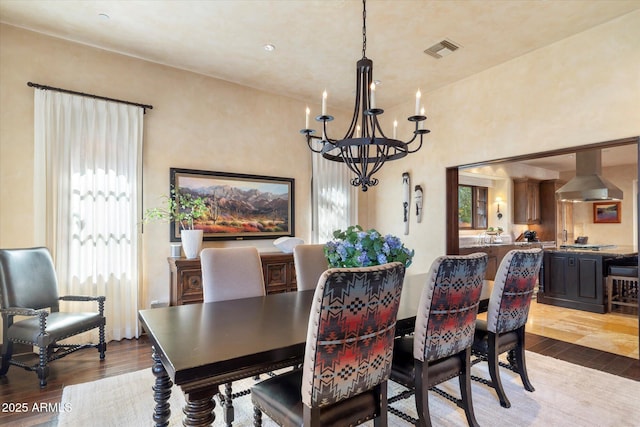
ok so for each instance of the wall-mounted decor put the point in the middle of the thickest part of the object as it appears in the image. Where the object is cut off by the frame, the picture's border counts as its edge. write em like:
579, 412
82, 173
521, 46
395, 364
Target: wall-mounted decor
417, 197
606, 212
239, 206
406, 199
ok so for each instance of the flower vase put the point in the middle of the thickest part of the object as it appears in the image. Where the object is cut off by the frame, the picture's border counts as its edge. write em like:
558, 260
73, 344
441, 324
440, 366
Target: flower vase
191, 242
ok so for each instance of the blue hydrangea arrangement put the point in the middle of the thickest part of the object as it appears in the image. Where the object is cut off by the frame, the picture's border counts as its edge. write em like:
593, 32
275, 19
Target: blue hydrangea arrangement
357, 248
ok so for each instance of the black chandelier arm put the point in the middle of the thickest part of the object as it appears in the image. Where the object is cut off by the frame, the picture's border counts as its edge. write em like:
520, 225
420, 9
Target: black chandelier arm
417, 148
309, 139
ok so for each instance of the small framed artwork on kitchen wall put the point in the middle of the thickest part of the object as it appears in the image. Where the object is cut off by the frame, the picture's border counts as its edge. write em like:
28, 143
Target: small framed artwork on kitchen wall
606, 212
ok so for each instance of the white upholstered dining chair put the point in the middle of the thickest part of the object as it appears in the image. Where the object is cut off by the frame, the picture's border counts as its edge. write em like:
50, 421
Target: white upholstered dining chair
227, 274
231, 273
310, 263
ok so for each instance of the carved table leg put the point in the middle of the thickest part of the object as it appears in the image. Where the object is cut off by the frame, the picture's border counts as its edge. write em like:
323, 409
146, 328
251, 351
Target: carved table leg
198, 410
161, 392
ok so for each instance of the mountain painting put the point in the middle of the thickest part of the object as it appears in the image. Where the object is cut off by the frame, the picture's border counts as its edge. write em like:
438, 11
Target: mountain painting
239, 206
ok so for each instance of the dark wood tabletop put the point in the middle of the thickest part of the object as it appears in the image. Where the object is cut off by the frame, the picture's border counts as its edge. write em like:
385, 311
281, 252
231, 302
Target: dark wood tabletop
202, 346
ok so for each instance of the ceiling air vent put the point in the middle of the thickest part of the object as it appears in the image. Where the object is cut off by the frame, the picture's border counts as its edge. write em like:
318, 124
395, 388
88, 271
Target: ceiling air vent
442, 49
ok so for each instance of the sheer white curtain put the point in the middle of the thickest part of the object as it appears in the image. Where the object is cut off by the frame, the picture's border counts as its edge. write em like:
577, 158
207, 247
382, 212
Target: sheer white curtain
335, 200
88, 159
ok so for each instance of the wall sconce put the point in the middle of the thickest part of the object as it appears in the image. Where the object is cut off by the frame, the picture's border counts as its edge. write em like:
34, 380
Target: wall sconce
498, 201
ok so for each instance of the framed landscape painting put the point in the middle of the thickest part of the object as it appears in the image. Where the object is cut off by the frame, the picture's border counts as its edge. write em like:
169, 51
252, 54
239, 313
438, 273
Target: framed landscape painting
606, 212
238, 206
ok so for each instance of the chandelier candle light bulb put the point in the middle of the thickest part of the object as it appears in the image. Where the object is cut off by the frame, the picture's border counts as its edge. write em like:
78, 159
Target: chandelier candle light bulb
373, 96
418, 95
324, 103
306, 121
395, 129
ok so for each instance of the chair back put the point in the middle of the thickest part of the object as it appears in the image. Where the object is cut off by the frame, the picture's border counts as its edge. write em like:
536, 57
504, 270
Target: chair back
231, 273
512, 290
446, 319
28, 279
350, 334
310, 263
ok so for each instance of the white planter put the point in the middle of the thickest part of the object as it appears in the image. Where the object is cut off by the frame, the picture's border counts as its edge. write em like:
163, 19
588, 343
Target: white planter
191, 242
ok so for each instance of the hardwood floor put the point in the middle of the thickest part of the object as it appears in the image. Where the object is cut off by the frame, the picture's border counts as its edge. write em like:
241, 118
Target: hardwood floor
21, 387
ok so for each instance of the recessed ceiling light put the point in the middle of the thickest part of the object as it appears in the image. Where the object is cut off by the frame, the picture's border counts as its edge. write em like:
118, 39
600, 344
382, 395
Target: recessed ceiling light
104, 16
269, 47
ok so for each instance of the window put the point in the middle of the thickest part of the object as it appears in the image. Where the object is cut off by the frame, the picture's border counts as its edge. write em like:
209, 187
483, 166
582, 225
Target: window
88, 169
334, 199
472, 207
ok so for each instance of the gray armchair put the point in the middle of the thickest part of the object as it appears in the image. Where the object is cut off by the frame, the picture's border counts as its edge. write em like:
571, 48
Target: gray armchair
28, 287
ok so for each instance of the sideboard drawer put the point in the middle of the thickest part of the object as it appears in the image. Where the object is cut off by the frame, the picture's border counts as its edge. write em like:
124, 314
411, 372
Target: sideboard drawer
186, 277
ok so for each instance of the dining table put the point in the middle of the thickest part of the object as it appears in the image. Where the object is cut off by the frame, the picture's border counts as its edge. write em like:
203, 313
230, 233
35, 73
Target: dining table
200, 347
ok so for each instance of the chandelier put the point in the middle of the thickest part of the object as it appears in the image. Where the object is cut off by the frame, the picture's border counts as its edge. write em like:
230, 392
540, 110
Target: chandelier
364, 147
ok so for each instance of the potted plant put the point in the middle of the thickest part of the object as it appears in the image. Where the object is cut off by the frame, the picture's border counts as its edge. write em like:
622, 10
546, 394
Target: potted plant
182, 208
355, 247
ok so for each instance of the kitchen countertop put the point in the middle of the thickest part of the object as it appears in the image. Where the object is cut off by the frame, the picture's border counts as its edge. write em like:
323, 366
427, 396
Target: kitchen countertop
608, 251
492, 245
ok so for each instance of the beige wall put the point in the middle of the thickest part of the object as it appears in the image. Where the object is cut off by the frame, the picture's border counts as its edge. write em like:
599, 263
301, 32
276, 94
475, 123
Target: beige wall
581, 90
196, 122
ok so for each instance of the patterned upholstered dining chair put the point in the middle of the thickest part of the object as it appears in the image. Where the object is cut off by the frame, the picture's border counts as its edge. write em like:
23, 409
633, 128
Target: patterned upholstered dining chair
227, 274
504, 329
440, 348
310, 263
343, 381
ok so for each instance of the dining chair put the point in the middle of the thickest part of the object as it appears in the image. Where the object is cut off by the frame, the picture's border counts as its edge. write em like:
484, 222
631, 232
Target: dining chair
310, 263
29, 287
440, 348
231, 273
504, 329
347, 360
228, 274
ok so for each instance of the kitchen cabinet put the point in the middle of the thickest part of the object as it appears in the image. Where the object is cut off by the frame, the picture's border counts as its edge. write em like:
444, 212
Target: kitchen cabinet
556, 218
526, 201
495, 253
186, 277
573, 280
492, 258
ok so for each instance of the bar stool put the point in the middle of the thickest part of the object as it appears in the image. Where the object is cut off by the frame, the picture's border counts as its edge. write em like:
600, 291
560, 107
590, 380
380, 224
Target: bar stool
622, 283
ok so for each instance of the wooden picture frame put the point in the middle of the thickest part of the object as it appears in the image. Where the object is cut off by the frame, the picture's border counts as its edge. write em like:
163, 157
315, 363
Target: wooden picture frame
241, 206
606, 212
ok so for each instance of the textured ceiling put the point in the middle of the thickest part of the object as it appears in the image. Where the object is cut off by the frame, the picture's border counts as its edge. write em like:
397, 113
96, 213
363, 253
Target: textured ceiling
317, 42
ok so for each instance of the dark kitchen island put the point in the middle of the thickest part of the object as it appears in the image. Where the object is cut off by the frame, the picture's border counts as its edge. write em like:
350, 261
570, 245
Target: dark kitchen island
574, 276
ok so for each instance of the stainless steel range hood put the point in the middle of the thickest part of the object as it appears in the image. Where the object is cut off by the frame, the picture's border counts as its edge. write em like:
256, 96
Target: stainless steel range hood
588, 185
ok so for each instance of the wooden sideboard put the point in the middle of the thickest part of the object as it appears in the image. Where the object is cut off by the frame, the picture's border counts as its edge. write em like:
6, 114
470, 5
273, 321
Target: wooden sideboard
186, 277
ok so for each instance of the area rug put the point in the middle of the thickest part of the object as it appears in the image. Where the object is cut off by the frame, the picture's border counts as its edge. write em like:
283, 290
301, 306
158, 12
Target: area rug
566, 395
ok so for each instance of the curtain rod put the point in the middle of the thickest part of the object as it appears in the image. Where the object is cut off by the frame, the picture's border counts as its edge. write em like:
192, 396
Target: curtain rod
39, 86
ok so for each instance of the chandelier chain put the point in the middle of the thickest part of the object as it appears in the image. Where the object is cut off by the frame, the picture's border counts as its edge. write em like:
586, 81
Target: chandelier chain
364, 28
